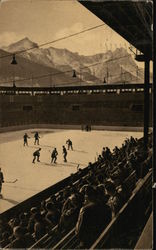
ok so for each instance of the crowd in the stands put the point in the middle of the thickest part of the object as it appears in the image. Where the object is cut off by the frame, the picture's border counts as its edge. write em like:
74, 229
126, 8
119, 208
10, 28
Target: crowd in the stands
88, 204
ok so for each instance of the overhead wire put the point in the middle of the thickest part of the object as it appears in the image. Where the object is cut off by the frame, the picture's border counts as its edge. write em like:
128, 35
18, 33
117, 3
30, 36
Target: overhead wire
53, 41
68, 71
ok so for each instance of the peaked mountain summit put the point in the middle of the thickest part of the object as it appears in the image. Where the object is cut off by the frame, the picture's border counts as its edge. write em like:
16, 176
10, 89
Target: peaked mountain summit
22, 44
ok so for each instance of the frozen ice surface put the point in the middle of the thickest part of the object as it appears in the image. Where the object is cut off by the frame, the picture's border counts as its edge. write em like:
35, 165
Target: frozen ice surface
16, 160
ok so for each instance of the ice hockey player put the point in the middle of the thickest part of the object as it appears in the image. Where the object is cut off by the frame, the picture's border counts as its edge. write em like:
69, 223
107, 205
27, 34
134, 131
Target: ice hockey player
36, 136
70, 144
54, 155
25, 137
64, 154
1, 181
36, 154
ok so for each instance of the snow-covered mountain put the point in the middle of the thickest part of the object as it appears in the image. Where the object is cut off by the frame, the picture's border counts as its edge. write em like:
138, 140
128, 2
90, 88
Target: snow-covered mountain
29, 73
114, 67
23, 44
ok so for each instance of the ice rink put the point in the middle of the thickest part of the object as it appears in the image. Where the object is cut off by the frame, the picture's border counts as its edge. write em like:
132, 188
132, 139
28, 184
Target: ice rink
16, 160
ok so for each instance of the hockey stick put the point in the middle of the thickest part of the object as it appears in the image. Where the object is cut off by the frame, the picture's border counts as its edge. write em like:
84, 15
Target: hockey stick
11, 181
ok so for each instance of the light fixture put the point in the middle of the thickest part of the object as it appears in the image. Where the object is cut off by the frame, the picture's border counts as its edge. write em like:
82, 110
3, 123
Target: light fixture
74, 73
13, 59
104, 81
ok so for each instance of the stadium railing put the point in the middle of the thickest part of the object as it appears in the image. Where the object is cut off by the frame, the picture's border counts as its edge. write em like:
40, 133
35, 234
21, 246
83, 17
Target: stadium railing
83, 89
138, 204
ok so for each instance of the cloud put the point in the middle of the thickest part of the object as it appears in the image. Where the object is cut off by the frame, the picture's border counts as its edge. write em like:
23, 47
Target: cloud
88, 43
76, 27
7, 38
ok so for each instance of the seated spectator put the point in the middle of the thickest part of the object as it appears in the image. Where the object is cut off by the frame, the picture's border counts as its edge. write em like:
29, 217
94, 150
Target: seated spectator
14, 222
52, 216
43, 210
100, 179
100, 158
22, 240
39, 226
115, 201
53, 199
31, 221
60, 200
23, 220
4, 239
103, 198
91, 219
108, 154
103, 152
70, 212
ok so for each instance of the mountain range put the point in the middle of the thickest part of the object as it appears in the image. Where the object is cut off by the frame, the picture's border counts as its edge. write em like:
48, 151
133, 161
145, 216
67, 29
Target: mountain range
52, 66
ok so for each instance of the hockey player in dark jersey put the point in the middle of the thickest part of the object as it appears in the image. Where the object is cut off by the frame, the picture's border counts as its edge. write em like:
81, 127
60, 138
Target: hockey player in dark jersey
64, 154
36, 154
36, 136
1, 181
54, 155
70, 144
25, 137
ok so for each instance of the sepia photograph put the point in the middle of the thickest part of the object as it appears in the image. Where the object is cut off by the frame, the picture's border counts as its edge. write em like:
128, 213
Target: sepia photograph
76, 124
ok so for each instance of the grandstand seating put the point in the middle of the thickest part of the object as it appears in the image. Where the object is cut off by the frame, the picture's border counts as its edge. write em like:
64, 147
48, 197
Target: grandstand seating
134, 192
79, 102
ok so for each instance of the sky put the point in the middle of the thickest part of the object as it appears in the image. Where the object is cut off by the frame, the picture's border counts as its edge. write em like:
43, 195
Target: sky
46, 20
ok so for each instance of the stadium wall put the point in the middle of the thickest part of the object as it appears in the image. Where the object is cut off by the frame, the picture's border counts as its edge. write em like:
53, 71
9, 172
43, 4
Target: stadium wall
109, 109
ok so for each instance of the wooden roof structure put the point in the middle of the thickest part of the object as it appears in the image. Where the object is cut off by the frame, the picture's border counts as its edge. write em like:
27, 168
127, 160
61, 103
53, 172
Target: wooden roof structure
133, 20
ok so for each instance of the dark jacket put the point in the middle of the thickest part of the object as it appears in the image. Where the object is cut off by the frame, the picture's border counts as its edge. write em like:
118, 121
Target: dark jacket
1, 177
93, 218
36, 153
